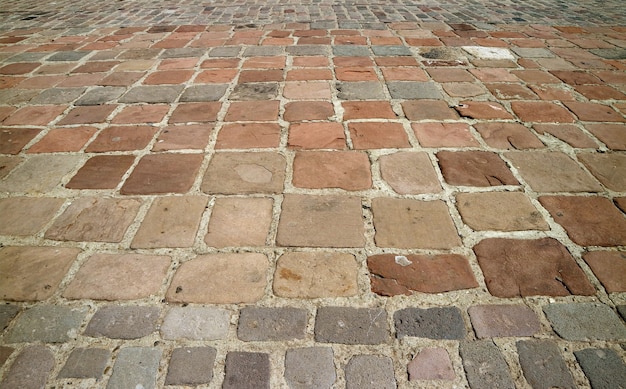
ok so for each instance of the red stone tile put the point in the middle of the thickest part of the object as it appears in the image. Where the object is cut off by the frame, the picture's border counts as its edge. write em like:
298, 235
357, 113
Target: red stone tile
309, 74
450, 75
308, 110
12, 140
608, 168
611, 76
494, 75
350, 40
521, 268
121, 79
59, 140
426, 42
592, 112
242, 173
353, 62
260, 75
122, 138
252, 111
428, 110
609, 267
5, 112
141, 114
88, 115
101, 172
464, 89
237, 222
356, 74
553, 92
311, 61
78, 80
248, 136
541, 112
325, 135
396, 61
348, 170
599, 92
178, 63
409, 173
217, 63
504, 91
40, 82
378, 135
265, 63
612, 135
35, 115
19, 68
535, 76
392, 275
367, 110
482, 110
278, 41
444, 135
182, 137
474, 168
96, 67
305, 90
163, 173
576, 77
508, 136
589, 221
168, 77
7, 82
568, 133
403, 74
196, 112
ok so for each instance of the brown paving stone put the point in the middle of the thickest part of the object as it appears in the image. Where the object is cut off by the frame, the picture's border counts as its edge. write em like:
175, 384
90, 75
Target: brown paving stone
407, 223
277, 62
5, 112
494, 75
576, 77
347, 170
33, 273
612, 135
119, 277
94, 219
309, 74
495, 321
409, 173
450, 75
122, 138
367, 110
463, 89
220, 279
552, 172
141, 114
592, 112
589, 221
482, 110
504, 91
428, 110
119, 78
168, 77
553, 92
59, 140
621, 203
306, 90
308, 110
403, 74
25, 216
444, 135
19, 68
568, 133
216, 63
88, 115
474, 168
398, 274
326, 135
239, 222
499, 211
171, 222
196, 112
163, 173
248, 135
309, 275
378, 135
599, 92
508, 136
101, 172
609, 267
219, 76
239, 173
252, 111
311, 61
541, 111
36, 115
181, 137
521, 268
12, 140
260, 76
609, 169
7, 164
355, 73
535, 76
321, 221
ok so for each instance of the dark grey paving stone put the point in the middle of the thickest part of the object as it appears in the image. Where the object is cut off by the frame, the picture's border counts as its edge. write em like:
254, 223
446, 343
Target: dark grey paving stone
351, 51
414, 90
543, 365
68, 56
370, 372
262, 51
271, 324
135, 367
46, 323
7, 313
11, 96
308, 50
309, 368
85, 363
365, 90
351, 325
432, 323
58, 96
191, 366
201, 93
391, 50
183, 52
621, 309
245, 370
30, 369
5, 353
27, 57
604, 368
225, 51
585, 321
140, 54
100, 95
255, 91
485, 366
152, 94
123, 322
617, 53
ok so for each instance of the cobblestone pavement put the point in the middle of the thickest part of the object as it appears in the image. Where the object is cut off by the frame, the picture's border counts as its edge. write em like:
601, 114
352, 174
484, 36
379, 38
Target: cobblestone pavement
308, 195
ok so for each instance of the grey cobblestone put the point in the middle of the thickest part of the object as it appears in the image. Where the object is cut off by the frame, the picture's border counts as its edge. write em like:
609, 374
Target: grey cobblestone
413, 90
604, 368
351, 51
363, 90
351, 325
262, 51
271, 324
204, 93
311, 367
152, 94
485, 366
391, 50
85, 363
432, 323
30, 369
125, 322
67, 56
308, 50
195, 323
47, 323
7, 313
100, 95
183, 52
135, 367
492, 321
245, 370
226, 51
191, 366
543, 365
57, 96
585, 321
370, 372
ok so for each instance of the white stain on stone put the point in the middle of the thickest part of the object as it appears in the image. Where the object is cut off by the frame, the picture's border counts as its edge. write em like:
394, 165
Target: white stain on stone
489, 52
402, 260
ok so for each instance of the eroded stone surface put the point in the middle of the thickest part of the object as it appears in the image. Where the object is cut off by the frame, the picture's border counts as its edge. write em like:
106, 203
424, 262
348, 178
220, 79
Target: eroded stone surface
409, 173
491, 321
238, 173
499, 211
431, 364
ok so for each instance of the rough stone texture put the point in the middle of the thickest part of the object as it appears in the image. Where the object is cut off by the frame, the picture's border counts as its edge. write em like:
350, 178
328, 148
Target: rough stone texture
604, 367
434, 134
493, 321
567, 133
484, 365
46, 323
509, 136
361, 90
30, 369
585, 321
610, 134
399, 274
239, 222
39, 174
378, 135
348, 325
238, 173
609, 169
271, 324
474, 168
407, 223
7, 313
541, 112
118, 277
85, 363
315, 275
122, 138
235, 278
609, 267
413, 90
101, 172
33, 273
5, 353
196, 323
432, 323
347, 170
248, 135
409, 173
123, 322
246, 370
304, 221
520, 268
317, 135
482, 110
12, 140
191, 366
431, 364
308, 368
163, 173
370, 372
543, 365
135, 367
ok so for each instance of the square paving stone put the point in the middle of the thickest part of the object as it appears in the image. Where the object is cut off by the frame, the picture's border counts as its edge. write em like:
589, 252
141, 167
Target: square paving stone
428, 110
492, 321
508, 136
33, 273
239, 222
431, 364
487, 110
310, 367
609, 267
195, 323
191, 366
123, 322
261, 111
195, 112
234, 278
332, 169
247, 370
321, 221
520, 268
118, 277
484, 365
183, 137
40, 173
432, 323
87, 114
414, 90
610, 134
135, 367
12, 140
346, 325
30, 369
552, 172
543, 365
25, 216
122, 138
241, 173
203, 93
85, 363
398, 274
47, 324
63, 140
499, 211
378, 135
433, 134
409, 173
320, 135
370, 372
248, 136
57, 96
407, 223
604, 368
474, 168
585, 321
95, 219
589, 221
308, 110
592, 112
151, 94
101, 172
272, 324
362, 90
254, 91
609, 169
163, 173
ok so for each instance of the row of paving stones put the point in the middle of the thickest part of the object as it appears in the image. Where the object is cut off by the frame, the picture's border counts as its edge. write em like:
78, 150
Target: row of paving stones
541, 360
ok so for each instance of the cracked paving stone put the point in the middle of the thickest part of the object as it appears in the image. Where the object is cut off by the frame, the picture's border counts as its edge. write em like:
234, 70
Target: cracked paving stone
474, 168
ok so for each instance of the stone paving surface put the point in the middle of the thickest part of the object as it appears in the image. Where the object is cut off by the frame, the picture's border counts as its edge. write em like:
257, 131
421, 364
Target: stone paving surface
307, 194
